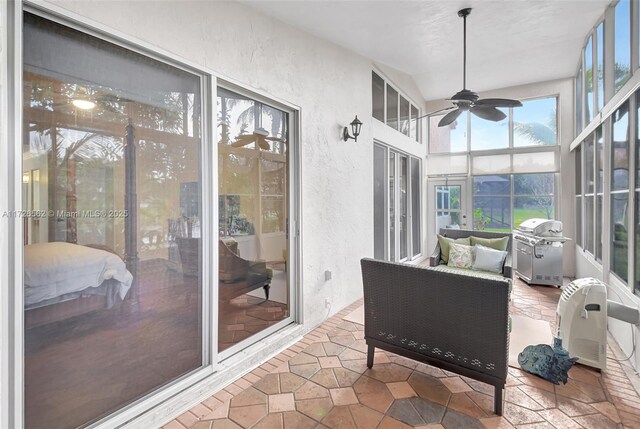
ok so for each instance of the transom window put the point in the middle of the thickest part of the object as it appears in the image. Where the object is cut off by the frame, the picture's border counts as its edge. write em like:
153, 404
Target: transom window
393, 108
533, 124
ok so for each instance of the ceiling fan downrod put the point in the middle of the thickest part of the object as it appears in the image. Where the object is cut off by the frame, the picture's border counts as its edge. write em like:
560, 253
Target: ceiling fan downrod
463, 13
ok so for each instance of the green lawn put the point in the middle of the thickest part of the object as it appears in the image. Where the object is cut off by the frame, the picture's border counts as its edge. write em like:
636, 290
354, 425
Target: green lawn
519, 216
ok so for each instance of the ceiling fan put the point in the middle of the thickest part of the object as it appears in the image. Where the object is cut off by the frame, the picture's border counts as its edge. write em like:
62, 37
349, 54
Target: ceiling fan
259, 135
467, 100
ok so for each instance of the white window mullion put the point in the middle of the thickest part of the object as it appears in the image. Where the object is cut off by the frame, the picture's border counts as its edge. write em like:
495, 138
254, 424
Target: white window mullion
632, 186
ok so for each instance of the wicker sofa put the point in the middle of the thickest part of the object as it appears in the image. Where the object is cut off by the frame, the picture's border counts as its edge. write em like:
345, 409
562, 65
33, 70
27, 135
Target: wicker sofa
455, 322
507, 268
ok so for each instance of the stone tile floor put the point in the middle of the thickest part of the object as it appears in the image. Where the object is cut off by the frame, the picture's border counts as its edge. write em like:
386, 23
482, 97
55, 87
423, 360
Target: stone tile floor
323, 382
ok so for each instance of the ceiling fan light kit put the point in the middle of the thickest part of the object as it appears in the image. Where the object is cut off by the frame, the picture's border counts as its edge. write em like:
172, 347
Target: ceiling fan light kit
469, 101
83, 104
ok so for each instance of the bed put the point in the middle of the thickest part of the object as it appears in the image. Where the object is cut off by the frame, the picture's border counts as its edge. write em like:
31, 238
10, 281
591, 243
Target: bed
58, 274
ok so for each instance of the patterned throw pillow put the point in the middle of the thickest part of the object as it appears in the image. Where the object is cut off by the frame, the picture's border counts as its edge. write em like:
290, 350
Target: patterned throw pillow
460, 256
444, 246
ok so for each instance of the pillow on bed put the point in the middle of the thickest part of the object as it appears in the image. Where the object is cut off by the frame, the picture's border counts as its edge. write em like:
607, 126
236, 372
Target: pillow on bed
444, 246
488, 259
460, 256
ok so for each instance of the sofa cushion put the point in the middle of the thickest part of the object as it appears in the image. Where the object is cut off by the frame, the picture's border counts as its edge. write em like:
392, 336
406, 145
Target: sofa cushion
488, 259
494, 243
444, 246
468, 272
460, 255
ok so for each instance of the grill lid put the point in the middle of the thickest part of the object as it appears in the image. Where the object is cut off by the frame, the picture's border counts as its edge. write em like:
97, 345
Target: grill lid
541, 227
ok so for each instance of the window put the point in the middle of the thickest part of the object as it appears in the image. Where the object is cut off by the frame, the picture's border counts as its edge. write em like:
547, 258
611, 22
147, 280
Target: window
622, 46
599, 188
620, 191
492, 203
448, 209
578, 103
416, 210
600, 65
253, 208
394, 108
380, 193
589, 196
377, 88
588, 84
533, 197
636, 283
405, 118
503, 202
397, 210
450, 138
578, 202
533, 124
114, 152
413, 124
488, 134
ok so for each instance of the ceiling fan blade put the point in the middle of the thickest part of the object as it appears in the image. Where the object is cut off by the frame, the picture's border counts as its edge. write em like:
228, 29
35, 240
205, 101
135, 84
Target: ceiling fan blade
263, 144
241, 143
275, 139
488, 113
243, 140
449, 118
498, 102
436, 112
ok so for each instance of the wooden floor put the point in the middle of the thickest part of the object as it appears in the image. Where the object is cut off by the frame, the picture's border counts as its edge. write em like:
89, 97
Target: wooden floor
322, 381
80, 369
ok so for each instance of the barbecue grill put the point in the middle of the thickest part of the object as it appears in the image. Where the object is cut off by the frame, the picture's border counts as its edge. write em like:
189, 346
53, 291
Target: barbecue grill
539, 251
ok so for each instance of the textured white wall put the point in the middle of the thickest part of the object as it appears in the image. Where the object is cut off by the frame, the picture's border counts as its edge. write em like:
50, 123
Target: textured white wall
328, 83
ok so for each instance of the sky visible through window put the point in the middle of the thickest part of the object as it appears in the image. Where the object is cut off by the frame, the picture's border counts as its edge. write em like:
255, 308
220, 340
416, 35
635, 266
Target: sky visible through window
534, 124
622, 43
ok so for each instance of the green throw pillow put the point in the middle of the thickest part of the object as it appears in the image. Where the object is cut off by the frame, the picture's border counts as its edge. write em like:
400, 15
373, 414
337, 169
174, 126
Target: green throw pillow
444, 246
494, 243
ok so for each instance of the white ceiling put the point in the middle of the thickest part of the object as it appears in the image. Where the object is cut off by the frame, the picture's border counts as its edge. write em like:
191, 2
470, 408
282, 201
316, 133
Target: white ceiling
509, 42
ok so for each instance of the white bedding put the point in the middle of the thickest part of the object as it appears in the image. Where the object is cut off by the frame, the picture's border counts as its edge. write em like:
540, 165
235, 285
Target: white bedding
58, 268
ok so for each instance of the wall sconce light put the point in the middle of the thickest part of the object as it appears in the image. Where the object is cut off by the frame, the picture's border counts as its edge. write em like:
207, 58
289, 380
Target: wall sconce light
355, 129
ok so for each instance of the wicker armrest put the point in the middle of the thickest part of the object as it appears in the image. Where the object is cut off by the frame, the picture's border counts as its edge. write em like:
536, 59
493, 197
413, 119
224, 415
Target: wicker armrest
434, 259
507, 268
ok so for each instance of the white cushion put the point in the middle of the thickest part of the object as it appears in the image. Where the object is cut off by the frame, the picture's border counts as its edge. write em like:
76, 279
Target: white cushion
488, 259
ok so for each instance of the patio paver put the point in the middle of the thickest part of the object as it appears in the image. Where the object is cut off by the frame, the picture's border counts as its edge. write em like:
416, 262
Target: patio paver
323, 381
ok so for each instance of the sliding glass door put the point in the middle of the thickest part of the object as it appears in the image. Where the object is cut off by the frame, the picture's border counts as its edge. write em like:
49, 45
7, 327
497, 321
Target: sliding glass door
397, 205
113, 279
254, 294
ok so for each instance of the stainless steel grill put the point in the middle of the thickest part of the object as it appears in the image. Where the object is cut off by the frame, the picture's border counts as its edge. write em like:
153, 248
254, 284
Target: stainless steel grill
539, 251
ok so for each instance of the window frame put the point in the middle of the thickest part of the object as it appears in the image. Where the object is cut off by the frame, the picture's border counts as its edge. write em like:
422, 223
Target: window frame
161, 402
393, 254
510, 147
401, 94
512, 195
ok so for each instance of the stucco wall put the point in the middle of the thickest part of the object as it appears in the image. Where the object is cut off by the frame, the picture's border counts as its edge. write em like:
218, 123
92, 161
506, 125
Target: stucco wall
328, 83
